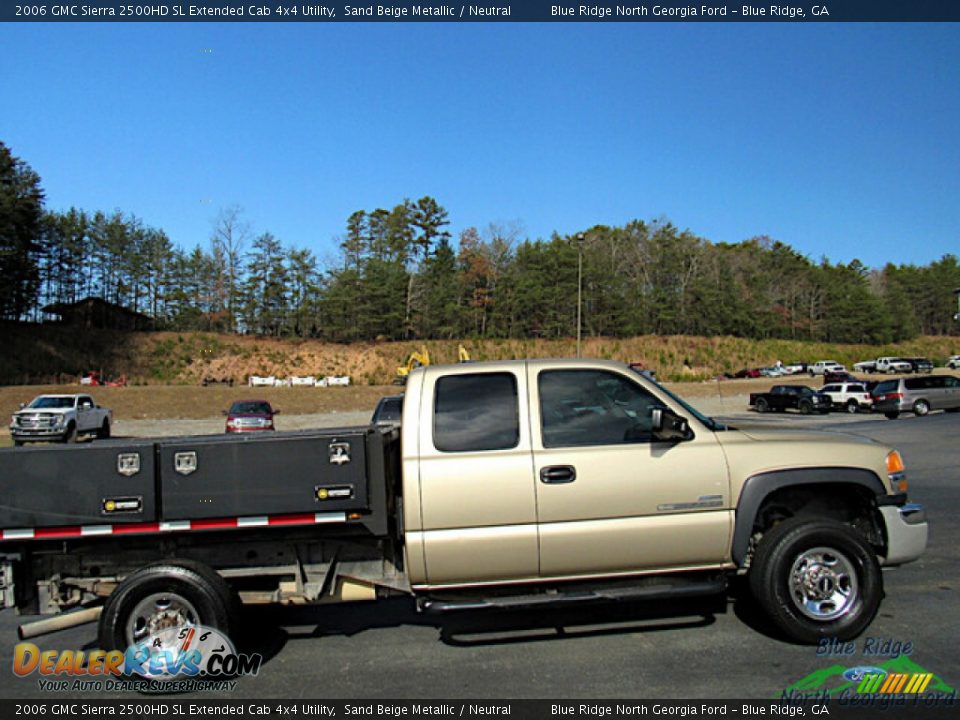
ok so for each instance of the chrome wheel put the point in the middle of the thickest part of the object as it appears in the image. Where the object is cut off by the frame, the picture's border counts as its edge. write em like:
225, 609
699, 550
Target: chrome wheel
158, 612
823, 584
921, 408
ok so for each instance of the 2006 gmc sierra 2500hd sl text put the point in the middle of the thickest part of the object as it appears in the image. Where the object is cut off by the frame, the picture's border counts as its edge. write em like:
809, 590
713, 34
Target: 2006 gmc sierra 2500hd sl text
507, 484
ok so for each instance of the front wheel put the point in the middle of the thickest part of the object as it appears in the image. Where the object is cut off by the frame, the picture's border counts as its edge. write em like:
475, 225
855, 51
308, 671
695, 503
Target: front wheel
816, 579
806, 408
104, 432
70, 436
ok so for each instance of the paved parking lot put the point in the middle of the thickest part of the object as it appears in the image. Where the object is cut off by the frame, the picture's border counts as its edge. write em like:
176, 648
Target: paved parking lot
713, 649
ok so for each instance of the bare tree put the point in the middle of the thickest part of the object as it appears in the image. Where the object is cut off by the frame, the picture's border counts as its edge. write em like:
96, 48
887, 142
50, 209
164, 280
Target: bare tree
230, 234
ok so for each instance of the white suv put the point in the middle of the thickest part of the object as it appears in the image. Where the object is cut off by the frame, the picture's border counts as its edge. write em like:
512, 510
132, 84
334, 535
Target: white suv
953, 362
849, 396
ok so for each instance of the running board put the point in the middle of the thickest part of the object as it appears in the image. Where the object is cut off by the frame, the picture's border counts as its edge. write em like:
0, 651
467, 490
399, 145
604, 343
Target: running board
672, 588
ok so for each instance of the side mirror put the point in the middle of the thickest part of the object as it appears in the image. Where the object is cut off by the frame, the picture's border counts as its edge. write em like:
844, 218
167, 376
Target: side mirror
276, 411
224, 412
22, 405
667, 426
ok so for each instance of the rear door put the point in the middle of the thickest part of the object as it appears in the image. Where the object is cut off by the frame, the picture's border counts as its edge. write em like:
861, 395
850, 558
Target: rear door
607, 493
478, 515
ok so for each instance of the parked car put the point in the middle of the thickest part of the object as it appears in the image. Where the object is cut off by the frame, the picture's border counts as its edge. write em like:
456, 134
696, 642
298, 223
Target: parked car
797, 397
918, 395
866, 366
953, 362
794, 368
747, 373
250, 416
823, 366
849, 396
60, 418
893, 365
388, 411
919, 364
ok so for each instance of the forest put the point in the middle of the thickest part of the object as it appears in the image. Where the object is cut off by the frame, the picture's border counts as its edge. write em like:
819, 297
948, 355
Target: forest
400, 275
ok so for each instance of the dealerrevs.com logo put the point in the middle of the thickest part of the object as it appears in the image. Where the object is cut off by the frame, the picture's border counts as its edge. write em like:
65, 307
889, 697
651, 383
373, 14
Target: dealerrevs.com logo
188, 657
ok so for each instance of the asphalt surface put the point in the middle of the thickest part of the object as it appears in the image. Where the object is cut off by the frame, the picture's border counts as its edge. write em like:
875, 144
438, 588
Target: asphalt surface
713, 649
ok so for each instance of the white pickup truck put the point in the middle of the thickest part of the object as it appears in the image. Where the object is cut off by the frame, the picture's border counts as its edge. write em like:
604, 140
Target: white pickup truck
60, 418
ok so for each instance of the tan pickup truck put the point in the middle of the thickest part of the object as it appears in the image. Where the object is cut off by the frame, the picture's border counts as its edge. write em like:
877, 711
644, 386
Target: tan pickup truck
508, 484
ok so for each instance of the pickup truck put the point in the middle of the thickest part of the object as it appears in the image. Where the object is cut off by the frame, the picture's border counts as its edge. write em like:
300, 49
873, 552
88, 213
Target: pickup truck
893, 365
507, 484
60, 418
790, 397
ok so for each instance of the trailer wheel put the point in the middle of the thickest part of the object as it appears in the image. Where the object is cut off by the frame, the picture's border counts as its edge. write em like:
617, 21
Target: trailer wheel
163, 595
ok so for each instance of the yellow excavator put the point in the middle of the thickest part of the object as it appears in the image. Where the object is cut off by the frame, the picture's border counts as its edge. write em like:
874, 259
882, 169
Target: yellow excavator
421, 358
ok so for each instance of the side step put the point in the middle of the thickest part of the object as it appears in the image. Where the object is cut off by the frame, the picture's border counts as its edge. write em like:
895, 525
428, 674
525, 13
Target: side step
660, 588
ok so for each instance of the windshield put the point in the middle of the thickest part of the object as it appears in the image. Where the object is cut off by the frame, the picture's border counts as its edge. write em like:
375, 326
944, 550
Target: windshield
46, 403
250, 408
708, 421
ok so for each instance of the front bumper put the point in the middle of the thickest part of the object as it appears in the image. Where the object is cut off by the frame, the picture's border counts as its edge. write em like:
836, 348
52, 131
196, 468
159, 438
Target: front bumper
906, 530
33, 434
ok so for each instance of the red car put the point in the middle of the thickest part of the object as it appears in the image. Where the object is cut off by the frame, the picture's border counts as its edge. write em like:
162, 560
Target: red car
250, 416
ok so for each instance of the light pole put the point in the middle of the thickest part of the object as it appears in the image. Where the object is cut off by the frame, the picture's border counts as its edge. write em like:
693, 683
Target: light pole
579, 285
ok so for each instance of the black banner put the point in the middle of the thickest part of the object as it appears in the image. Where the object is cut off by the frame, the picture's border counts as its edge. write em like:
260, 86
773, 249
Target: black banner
899, 707
482, 11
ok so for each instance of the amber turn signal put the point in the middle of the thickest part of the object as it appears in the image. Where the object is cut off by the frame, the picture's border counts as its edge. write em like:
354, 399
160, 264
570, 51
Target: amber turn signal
895, 462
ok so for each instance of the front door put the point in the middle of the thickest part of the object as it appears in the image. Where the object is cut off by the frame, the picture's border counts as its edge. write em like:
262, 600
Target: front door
610, 499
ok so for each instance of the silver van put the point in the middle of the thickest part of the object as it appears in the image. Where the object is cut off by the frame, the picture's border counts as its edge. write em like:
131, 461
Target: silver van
918, 395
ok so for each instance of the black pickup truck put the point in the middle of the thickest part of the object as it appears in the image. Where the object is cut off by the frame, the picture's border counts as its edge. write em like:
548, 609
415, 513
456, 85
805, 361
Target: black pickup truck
796, 397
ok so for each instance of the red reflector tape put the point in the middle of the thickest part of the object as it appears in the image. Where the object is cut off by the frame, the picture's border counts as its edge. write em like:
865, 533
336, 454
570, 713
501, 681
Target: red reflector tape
76, 531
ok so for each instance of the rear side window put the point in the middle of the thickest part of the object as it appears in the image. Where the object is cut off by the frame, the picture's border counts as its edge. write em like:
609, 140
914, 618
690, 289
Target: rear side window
476, 412
887, 386
856, 388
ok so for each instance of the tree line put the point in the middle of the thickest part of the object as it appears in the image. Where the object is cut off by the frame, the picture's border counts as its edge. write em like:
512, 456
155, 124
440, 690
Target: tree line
399, 275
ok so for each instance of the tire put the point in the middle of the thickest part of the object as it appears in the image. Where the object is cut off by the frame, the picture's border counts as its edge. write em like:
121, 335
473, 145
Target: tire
70, 436
762, 405
18, 443
853, 407
951, 410
816, 579
104, 432
921, 408
806, 408
195, 593
892, 415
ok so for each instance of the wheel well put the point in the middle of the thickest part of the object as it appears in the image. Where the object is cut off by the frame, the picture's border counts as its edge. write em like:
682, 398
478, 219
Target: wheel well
847, 503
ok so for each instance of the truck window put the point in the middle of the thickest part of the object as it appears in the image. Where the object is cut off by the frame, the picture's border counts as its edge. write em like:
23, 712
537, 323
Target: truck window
476, 412
593, 407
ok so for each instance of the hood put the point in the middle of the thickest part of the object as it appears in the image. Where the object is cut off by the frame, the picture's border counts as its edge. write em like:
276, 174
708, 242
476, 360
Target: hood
43, 411
768, 434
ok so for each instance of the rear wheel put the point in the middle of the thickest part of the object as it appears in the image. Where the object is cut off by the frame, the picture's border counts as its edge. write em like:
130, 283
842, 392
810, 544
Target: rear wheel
816, 579
891, 415
165, 595
762, 405
921, 408
18, 443
853, 407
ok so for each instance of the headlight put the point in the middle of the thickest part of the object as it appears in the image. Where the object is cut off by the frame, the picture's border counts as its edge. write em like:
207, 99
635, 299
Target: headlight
58, 420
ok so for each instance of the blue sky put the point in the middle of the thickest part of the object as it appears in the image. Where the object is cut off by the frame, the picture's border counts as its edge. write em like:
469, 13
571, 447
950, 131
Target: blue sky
841, 140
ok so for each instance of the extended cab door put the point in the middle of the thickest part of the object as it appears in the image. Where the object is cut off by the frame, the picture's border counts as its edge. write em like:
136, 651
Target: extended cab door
610, 498
473, 517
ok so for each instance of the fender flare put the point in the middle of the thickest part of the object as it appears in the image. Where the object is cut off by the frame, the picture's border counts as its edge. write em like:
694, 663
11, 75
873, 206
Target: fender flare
758, 487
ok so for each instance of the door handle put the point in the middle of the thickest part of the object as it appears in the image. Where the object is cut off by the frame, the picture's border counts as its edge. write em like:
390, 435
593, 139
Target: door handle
557, 474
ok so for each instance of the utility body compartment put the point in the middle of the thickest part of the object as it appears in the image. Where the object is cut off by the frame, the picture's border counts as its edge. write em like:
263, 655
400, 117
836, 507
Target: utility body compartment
167, 481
